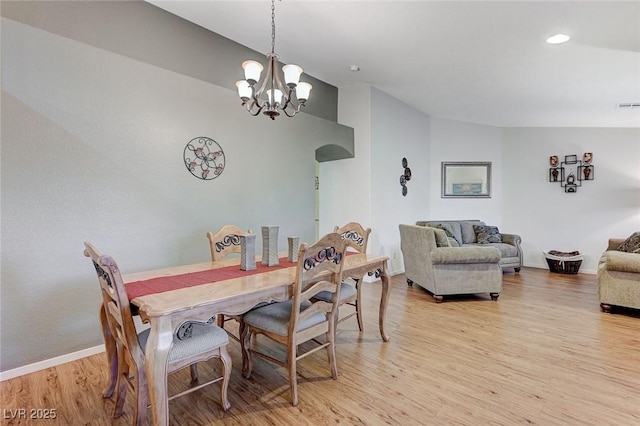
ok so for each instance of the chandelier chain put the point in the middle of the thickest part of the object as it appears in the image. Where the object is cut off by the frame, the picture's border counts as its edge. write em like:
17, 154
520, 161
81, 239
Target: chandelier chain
273, 26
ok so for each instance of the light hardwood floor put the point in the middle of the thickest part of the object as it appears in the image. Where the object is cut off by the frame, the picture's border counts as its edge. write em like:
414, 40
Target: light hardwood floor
542, 354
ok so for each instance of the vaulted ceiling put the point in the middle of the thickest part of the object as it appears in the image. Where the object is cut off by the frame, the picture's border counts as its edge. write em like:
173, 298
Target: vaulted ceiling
476, 61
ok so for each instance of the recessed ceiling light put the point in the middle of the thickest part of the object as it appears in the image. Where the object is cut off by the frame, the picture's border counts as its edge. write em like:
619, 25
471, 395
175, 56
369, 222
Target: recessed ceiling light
558, 39
354, 68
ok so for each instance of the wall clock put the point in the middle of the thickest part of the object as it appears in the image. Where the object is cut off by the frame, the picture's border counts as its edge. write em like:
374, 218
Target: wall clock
204, 158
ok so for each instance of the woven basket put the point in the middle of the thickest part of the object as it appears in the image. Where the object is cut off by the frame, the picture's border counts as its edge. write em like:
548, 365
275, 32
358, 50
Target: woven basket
564, 263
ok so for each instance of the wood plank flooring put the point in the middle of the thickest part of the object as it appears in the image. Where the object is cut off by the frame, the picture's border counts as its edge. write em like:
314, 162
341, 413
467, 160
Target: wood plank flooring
542, 354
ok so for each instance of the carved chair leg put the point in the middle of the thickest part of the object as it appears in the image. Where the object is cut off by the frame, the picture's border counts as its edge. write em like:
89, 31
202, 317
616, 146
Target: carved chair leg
194, 372
226, 375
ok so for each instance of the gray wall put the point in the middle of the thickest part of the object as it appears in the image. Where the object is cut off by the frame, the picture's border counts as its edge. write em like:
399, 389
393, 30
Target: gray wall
99, 100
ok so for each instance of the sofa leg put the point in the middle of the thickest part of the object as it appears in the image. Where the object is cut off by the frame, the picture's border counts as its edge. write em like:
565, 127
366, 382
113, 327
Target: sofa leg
409, 282
494, 296
605, 308
438, 298
517, 270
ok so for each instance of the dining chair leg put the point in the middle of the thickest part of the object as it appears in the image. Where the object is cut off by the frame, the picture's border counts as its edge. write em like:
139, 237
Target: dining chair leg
359, 304
293, 375
112, 353
121, 385
142, 397
226, 376
331, 350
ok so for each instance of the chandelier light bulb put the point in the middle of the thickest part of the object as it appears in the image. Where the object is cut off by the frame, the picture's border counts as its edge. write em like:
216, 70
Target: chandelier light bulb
252, 71
291, 75
278, 97
244, 90
302, 91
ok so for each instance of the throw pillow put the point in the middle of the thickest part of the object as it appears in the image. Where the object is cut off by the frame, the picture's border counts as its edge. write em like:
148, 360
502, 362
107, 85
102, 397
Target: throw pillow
631, 244
446, 231
487, 234
441, 237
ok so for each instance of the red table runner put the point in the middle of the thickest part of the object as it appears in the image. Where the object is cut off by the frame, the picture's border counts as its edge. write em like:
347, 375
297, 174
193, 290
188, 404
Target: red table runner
175, 282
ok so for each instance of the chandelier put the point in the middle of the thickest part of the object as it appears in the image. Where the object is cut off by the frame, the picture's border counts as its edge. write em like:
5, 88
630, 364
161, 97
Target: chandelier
288, 98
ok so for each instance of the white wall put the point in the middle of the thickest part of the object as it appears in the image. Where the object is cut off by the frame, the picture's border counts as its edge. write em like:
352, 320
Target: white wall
92, 147
548, 218
345, 192
397, 131
458, 141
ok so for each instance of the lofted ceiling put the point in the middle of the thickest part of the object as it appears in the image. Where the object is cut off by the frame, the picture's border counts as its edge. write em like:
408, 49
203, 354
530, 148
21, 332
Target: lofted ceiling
476, 61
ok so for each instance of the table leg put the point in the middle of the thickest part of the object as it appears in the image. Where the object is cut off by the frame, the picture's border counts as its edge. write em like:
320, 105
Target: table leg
112, 353
384, 300
156, 354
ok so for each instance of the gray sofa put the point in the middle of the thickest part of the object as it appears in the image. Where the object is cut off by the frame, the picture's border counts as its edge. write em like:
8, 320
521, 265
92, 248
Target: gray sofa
464, 236
431, 263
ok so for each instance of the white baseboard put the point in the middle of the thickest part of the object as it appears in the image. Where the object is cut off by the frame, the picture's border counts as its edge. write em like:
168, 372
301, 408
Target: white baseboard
47, 363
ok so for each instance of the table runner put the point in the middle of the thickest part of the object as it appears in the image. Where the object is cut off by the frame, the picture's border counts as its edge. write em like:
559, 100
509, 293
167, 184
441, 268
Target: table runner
175, 282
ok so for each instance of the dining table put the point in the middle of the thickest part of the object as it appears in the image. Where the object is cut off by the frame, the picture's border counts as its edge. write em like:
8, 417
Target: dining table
166, 298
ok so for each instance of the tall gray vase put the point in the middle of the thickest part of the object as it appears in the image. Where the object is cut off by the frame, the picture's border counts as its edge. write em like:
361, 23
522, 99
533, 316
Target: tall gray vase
270, 245
248, 252
294, 246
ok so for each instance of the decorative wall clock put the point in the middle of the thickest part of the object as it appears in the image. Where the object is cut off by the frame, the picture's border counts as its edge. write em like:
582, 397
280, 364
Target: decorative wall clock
204, 158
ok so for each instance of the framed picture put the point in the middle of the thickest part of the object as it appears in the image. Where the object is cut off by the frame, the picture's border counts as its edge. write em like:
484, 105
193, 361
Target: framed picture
571, 159
466, 180
556, 174
586, 172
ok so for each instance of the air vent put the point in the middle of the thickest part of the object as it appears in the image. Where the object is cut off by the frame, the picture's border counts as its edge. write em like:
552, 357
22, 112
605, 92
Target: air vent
629, 105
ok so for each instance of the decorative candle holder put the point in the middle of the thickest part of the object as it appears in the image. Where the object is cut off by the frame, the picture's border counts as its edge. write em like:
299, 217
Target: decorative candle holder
248, 252
270, 246
294, 245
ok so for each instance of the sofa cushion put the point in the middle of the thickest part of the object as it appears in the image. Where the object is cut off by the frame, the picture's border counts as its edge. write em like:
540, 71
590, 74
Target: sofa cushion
467, 230
631, 244
487, 234
506, 250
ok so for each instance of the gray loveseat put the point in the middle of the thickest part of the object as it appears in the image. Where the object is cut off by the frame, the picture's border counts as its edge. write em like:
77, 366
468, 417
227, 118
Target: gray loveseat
432, 264
463, 235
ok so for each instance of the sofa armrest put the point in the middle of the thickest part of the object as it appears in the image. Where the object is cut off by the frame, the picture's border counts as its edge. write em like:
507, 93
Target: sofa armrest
615, 243
453, 255
512, 239
621, 261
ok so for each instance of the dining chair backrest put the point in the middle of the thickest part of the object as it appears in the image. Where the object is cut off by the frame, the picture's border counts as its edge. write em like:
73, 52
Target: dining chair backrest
319, 269
226, 241
115, 300
355, 236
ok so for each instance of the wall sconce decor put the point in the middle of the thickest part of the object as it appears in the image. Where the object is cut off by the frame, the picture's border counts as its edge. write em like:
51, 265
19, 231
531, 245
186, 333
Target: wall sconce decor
204, 158
405, 176
576, 171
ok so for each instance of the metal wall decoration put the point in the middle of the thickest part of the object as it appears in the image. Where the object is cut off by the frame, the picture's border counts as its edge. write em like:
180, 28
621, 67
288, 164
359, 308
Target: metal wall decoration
571, 172
405, 177
204, 158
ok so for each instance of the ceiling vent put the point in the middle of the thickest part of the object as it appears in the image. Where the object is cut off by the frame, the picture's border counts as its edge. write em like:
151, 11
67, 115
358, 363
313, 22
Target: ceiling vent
629, 105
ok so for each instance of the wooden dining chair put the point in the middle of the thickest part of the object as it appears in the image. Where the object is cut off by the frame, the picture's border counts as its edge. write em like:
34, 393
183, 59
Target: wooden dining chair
356, 239
193, 342
222, 244
226, 241
301, 318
